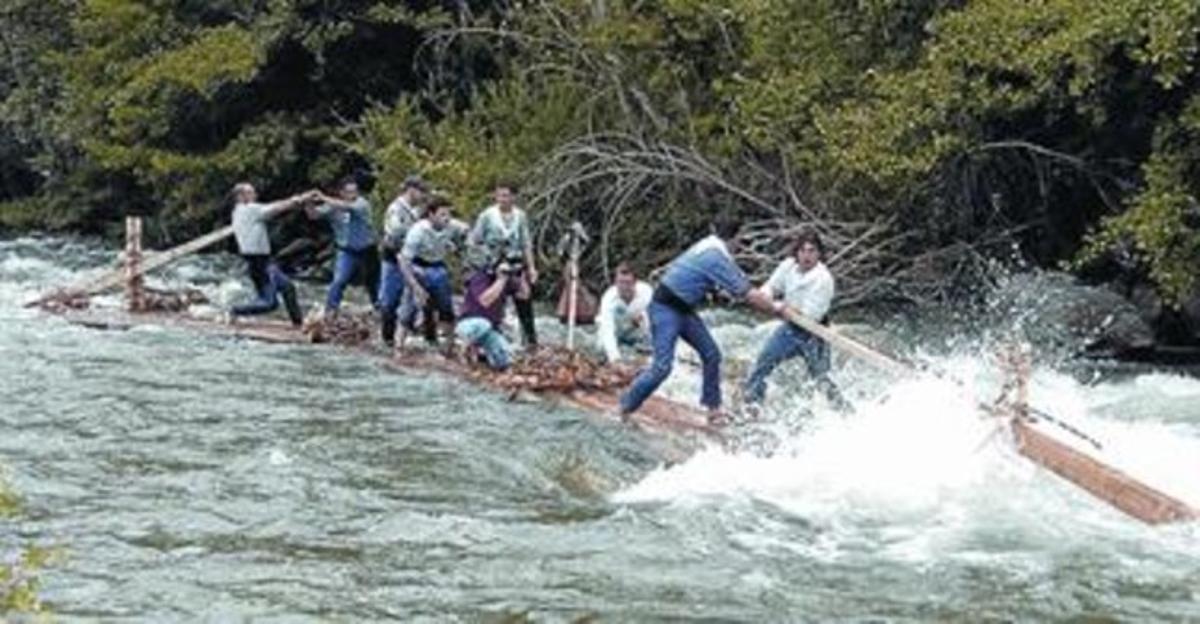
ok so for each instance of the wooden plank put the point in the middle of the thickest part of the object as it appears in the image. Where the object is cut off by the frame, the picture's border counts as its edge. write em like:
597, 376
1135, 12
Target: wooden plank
1099, 479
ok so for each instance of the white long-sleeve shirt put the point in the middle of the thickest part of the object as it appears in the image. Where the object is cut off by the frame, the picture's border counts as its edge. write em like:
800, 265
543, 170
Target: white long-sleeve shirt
616, 317
810, 292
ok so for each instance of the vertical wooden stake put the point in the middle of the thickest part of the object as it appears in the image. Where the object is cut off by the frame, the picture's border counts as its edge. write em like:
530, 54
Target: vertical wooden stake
1022, 368
134, 296
572, 294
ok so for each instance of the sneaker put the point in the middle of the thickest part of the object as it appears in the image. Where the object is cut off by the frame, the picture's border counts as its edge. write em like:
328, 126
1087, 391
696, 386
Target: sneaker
717, 418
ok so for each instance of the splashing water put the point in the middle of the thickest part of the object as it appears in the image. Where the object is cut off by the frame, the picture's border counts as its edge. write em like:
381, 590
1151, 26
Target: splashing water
921, 472
314, 486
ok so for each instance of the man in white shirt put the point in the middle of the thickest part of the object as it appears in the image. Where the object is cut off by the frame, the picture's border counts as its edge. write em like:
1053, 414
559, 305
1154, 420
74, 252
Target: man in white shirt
622, 319
804, 283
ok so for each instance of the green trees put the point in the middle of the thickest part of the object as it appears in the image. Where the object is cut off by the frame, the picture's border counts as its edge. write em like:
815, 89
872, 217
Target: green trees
904, 127
161, 106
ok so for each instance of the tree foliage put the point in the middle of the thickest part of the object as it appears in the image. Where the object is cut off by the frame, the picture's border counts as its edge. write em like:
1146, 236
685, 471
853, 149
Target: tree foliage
1068, 125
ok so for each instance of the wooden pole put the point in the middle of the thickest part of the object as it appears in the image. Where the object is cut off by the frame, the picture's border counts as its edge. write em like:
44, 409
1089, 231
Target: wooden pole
134, 295
572, 294
116, 278
849, 345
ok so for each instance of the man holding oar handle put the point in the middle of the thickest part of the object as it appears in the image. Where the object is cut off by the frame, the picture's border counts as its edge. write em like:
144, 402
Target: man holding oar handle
705, 267
805, 284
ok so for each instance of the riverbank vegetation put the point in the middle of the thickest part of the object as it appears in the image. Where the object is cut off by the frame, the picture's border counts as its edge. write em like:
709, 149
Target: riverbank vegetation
19, 580
921, 137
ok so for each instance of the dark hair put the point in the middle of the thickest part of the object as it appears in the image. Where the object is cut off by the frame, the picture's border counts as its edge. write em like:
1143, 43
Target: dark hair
347, 181
626, 269
807, 237
436, 203
725, 226
504, 183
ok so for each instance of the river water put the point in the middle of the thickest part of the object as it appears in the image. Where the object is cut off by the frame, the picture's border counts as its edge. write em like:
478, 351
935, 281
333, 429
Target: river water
192, 478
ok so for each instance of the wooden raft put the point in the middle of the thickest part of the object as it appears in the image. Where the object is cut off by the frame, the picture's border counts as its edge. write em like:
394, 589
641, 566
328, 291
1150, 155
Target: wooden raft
657, 414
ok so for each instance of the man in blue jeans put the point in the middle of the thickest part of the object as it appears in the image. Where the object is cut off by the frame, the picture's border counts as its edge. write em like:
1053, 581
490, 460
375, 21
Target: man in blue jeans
423, 262
805, 284
705, 267
254, 245
350, 217
401, 214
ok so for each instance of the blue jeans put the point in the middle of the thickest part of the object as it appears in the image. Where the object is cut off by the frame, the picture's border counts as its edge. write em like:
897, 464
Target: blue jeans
435, 279
667, 326
391, 290
347, 265
494, 346
786, 342
270, 283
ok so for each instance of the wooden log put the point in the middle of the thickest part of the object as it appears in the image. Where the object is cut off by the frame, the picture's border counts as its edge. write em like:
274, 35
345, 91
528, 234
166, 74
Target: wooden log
1099, 479
135, 300
1105, 482
117, 278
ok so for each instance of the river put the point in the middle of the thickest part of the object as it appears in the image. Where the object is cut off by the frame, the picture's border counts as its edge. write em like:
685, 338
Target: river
191, 478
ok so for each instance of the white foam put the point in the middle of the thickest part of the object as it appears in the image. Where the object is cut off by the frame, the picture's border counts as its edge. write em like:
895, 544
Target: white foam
911, 472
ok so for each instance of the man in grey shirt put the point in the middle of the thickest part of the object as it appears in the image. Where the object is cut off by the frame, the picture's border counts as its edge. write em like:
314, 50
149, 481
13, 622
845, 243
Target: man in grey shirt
254, 244
423, 263
401, 214
349, 215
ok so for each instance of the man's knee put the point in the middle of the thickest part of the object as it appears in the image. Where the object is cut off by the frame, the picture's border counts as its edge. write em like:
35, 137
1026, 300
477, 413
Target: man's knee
660, 369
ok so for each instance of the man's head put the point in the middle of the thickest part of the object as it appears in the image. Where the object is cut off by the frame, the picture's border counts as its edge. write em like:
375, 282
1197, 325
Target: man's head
504, 194
726, 226
243, 193
438, 212
348, 189
808, 249
414, 189
626, 281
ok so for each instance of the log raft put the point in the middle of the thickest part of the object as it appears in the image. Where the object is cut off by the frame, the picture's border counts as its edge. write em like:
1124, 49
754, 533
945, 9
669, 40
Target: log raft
658, 415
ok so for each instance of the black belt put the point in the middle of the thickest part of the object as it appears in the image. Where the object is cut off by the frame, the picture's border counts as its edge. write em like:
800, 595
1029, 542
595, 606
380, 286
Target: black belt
424, 264
667, 297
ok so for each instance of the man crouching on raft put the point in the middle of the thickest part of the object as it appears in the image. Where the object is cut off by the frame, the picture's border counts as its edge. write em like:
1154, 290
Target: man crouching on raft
705, 267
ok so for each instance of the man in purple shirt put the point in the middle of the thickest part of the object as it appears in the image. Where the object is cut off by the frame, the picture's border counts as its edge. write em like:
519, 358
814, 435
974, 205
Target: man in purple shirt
482, 314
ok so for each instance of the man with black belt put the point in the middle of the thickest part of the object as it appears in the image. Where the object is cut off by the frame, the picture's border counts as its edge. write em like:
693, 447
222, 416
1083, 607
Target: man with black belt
401, 214
254, 244
804, 283
423, 263
350, 217
705, 267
